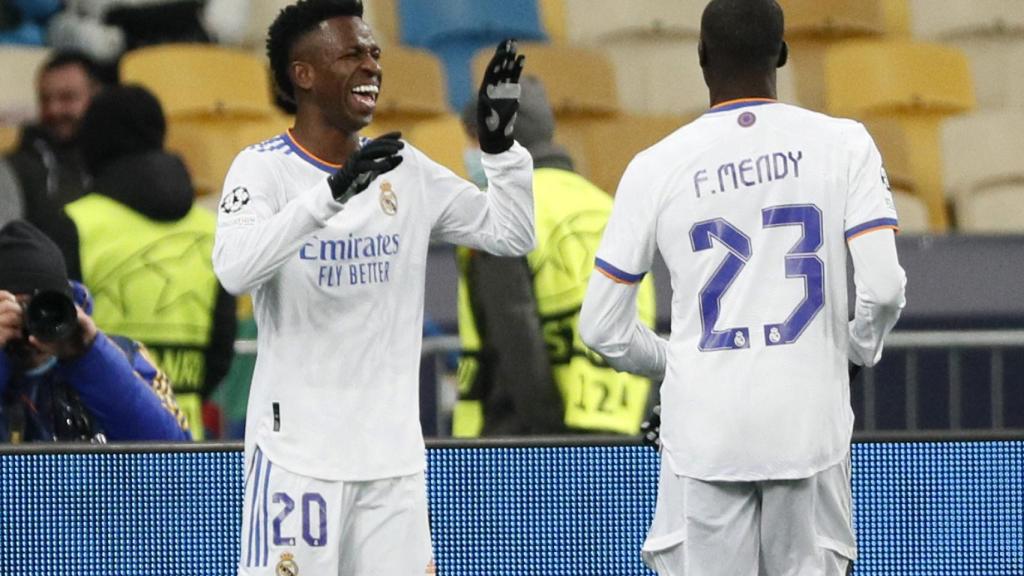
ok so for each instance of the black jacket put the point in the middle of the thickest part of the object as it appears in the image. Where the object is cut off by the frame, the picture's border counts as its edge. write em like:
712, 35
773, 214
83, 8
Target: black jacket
49, 174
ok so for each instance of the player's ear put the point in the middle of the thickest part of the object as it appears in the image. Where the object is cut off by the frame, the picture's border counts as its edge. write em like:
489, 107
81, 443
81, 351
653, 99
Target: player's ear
302, 74
783, 55
702, 54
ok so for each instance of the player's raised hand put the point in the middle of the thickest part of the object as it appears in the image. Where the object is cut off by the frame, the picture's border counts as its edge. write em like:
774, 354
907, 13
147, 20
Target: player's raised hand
376, 157
651, 429
498, 99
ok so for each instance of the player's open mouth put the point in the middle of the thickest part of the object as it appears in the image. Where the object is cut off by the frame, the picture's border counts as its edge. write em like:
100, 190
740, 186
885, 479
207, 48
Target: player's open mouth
366, 96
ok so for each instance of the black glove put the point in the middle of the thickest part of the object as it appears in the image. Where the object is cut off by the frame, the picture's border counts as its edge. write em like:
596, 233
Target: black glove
362, 166
854, 370
498, 99
651, 429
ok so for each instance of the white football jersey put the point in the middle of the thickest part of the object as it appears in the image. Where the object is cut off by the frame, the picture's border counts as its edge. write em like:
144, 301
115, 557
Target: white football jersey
338, 296
751, 206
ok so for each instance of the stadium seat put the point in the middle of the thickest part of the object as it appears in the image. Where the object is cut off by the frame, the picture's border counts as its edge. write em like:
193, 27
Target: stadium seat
593, 22
261, 14
443, 139
413, 84
991, 33
813, 25
653, 50
413, 91
202, 80
912, 211
455, 30
8, 137
579, 81
602, 148
382, 16
20, 65
658, 75
892, 144
943, 20
554, 18
914, 84
209, 145
984, 173
997, 207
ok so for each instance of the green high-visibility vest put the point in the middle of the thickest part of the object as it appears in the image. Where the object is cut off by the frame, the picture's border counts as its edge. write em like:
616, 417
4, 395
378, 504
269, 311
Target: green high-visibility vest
152, 281
571, 214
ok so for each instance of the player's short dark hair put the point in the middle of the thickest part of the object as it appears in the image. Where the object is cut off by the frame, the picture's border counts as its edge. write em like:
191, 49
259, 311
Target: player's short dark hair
64, 58
291, 24
743, 34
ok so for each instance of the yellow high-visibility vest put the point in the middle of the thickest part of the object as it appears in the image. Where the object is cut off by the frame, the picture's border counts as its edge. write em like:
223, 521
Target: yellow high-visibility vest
571, 214
152, 281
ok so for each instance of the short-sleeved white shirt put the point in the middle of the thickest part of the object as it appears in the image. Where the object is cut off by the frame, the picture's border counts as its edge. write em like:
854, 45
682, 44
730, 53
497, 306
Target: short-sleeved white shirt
751, 206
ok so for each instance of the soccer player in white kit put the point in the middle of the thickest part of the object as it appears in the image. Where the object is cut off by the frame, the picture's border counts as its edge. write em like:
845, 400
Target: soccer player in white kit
329, 232
753, 207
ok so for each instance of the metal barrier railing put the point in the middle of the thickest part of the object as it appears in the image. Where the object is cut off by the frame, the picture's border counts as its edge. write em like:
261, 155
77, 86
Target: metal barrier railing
998, 342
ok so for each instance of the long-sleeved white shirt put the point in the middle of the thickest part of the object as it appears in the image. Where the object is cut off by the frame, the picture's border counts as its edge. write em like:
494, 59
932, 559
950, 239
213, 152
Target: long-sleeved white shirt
752, 206
338, 296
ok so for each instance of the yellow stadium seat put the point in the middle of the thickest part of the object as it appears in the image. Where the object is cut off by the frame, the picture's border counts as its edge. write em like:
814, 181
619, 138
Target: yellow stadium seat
943, 20
652, 47
995, 208
8, 137
912, 211
594, 22
602, 148
984, 173
916, 85
554, 17
911, 208
579, 81
413, 91
813, 25
209, 145
991, 34
443, 139
382, 16
834, 19
261, 14
201, 80
20, 65
413, 85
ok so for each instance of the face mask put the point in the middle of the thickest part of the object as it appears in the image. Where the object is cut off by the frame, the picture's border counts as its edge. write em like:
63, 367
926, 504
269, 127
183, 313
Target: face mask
471, 158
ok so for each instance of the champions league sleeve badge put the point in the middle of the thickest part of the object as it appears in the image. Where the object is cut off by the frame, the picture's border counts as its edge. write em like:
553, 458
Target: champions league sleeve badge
388, 199
235, 200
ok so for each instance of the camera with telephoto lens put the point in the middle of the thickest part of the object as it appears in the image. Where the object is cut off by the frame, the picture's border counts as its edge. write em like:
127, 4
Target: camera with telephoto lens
50, 316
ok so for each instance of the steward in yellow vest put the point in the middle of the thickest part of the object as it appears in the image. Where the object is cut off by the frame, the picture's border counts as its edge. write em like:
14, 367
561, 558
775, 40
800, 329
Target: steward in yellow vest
143, 248
524, 368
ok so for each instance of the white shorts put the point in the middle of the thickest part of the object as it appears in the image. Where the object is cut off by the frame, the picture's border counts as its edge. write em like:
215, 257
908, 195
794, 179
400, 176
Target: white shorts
293, 524
768, 528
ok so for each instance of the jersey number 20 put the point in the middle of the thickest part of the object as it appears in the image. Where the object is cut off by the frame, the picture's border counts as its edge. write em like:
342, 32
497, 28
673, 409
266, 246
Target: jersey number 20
801, 262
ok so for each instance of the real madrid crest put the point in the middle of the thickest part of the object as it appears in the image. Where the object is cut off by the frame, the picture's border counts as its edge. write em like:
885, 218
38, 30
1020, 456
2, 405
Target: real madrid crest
388, 199
286, 566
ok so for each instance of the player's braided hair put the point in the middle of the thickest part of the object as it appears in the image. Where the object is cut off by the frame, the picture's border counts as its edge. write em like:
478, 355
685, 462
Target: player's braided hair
291, 24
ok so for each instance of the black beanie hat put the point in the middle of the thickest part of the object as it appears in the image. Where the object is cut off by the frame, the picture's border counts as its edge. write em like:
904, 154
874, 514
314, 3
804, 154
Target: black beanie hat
120, 121
30, 261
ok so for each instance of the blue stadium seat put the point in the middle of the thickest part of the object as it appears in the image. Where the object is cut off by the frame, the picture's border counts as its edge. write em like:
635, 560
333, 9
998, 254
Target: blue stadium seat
456, 29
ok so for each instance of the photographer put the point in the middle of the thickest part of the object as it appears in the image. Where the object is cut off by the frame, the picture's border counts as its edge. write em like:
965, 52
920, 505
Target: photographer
61, 379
